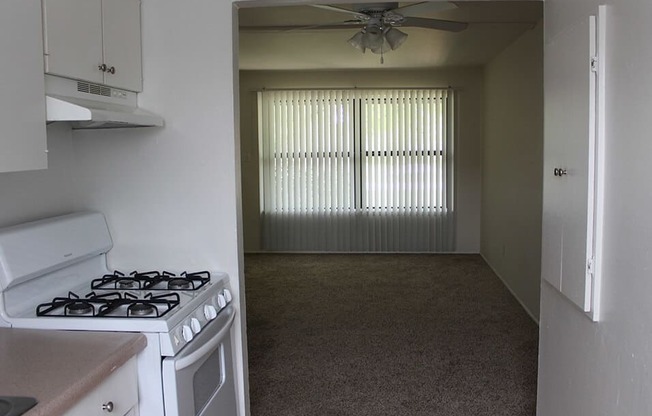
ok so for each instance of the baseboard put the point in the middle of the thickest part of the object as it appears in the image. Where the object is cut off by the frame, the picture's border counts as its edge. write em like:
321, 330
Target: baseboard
527, 310
359, 252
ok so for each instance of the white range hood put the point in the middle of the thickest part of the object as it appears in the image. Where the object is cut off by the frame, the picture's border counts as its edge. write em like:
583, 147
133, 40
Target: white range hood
93, 106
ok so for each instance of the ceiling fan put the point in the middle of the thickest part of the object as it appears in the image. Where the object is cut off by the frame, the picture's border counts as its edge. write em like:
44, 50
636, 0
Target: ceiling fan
380, 22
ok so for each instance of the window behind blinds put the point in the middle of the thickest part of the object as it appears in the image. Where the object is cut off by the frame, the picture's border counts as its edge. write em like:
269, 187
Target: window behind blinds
357, 170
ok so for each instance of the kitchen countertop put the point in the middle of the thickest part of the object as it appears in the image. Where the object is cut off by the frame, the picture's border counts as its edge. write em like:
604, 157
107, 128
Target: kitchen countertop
59, 368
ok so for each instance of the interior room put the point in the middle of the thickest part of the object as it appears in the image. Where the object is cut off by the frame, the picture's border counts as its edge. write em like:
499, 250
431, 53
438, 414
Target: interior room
561, 223
494, 70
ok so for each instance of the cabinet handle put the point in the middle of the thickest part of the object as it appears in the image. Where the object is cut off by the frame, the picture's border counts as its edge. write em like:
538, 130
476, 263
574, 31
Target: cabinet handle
556, 171
562, 172
102, 67
108, 407
111, 70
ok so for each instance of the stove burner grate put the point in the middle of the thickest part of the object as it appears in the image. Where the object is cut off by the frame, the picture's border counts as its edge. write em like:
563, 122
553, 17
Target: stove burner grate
110, 305
152, 281
74, 305
118, 280
151, 306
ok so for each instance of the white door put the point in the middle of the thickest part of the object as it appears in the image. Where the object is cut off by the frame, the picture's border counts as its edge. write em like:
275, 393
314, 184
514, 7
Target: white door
122, 44
73, 39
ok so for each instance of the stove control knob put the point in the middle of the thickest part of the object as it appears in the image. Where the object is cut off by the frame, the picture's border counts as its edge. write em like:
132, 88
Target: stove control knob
221, 301
210, 312
186, 333
227, 295
195, 325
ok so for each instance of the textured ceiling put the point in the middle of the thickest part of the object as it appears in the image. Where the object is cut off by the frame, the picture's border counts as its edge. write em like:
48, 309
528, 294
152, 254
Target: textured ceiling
492, 26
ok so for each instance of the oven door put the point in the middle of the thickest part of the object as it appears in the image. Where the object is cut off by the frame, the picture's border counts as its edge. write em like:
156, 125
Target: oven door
199, 379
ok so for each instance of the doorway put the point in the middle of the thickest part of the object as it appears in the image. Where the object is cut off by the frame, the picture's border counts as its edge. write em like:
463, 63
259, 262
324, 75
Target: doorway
475, 182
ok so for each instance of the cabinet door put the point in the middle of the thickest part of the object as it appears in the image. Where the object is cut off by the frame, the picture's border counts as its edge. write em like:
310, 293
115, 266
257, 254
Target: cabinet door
22, 91
122, 43
569, 137
121, 389
73, 39
117, 395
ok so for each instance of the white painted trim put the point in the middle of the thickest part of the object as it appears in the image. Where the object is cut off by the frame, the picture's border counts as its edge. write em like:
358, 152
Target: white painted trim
361, 252
600, 165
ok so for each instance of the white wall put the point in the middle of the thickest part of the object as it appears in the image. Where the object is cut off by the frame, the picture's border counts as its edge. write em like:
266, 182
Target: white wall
468, 81
30, 195
171, 195
603, 368
512, 182
585, 368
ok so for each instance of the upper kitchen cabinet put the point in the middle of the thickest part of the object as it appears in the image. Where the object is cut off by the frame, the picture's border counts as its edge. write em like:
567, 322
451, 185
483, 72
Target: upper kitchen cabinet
23, 143
122, 44
94, 40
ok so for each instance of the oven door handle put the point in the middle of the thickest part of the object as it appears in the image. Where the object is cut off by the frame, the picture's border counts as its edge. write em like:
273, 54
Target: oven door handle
211, 344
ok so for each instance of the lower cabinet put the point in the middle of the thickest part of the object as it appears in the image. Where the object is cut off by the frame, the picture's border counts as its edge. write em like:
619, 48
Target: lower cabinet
117, 395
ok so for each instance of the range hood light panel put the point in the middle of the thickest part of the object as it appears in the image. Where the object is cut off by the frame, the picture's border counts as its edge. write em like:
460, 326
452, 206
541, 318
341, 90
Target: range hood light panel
91, 106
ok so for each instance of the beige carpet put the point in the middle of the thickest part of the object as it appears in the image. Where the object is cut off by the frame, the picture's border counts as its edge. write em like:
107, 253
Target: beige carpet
371, 335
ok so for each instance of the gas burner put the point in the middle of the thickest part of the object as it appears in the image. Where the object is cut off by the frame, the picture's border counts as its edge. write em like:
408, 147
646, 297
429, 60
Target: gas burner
79, 307
179, 284
140, 309
126, 284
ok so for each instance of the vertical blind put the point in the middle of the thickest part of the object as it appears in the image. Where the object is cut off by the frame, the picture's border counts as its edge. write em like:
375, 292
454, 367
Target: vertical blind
357, 170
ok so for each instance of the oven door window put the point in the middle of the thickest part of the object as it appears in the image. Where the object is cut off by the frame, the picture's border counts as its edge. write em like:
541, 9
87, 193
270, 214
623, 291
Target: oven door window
198, 381
206, 380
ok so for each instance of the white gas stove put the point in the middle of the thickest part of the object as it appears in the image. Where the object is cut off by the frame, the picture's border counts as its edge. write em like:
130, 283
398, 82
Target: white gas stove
53, 275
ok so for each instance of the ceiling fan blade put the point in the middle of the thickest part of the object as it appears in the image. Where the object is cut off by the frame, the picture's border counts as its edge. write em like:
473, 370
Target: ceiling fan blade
340, 10
415, 10
290, 28
446, 25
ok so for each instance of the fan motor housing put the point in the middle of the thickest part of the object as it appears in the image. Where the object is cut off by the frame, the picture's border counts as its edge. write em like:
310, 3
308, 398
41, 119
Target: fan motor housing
374, 7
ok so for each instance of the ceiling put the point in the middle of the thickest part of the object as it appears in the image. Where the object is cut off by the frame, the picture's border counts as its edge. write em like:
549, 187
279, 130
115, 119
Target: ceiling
492, 26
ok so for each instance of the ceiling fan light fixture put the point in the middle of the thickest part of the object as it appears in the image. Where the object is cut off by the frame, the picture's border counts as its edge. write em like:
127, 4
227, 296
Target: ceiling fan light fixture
383, 48
395, 38
358, 41
374, 42
373, 37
